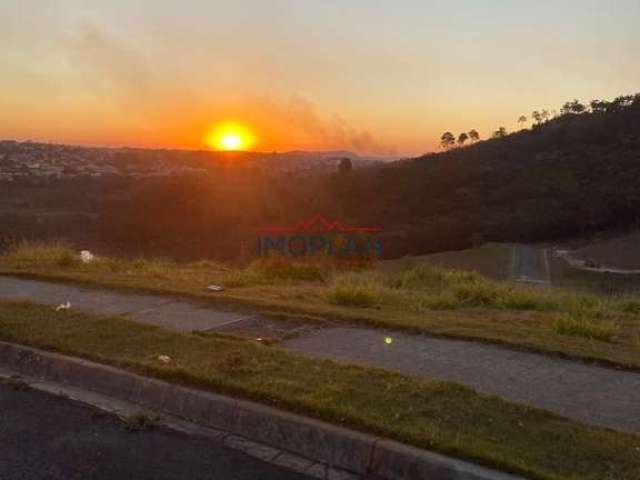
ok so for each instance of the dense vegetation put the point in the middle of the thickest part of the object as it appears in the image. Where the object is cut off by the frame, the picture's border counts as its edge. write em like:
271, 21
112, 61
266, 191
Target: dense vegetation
567, 176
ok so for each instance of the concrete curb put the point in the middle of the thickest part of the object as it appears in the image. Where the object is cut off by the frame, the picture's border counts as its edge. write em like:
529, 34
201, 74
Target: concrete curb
321, 442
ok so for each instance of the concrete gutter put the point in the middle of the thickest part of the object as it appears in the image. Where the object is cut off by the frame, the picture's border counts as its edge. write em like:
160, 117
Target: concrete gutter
329, 445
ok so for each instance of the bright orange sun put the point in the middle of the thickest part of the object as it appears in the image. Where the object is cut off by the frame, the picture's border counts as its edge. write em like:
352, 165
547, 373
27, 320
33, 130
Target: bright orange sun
230, 136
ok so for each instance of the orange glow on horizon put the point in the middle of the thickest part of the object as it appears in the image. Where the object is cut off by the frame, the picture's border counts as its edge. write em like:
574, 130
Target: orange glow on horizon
230, 136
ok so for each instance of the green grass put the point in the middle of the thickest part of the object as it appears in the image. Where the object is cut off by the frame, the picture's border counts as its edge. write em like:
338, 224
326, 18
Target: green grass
436, 415
490, 259
348, 290
270, 270
29, 255
414, 298
421, 286
587, 328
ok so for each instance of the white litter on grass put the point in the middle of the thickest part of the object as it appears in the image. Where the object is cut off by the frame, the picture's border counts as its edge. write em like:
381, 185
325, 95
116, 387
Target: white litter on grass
164, 359
215, 288
86, 256
63, 306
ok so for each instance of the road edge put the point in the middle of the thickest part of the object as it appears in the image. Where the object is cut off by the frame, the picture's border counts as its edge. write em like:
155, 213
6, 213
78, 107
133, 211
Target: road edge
336, 447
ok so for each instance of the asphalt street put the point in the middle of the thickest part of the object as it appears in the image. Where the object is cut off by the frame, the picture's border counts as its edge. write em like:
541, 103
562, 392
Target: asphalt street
48, 437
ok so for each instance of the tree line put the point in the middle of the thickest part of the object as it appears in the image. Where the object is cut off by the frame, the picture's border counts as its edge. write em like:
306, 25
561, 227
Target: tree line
449, 140
574, 107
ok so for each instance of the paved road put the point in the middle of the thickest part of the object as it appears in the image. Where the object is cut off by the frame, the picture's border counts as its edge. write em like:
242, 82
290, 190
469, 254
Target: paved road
48, 437
587, 393
530, 264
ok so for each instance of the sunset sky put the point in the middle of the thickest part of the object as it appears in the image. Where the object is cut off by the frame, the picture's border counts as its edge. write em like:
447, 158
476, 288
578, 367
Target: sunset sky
378, 77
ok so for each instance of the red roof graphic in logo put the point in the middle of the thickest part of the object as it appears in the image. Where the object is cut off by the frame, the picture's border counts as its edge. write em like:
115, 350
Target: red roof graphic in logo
318, 224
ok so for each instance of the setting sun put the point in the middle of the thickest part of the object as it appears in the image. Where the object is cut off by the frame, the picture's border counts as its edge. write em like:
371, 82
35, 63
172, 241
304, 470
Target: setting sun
230, 136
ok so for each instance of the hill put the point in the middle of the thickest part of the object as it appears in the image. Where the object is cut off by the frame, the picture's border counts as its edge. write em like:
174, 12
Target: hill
572, 175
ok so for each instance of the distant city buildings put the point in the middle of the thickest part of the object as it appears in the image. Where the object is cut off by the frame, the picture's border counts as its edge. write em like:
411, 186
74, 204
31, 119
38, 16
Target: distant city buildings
30, 161
27, 160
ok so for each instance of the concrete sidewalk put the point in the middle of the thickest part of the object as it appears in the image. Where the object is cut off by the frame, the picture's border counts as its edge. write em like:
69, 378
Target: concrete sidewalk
587, 393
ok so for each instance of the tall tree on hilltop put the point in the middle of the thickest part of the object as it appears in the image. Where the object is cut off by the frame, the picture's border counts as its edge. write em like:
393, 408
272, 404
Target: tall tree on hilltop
537, 116
500, 133
463, 137
621, 102
599, 106
447, 140
522, 120
545, 115
575, 108
474, 135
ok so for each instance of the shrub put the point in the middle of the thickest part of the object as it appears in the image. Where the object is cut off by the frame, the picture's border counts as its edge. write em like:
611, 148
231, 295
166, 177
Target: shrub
67, 258
584, 327
112, 264
274, 269
585, 306
522, 298
478, 294
154, 267
355, 290
34, 255
438, 302
243, 278
630, 306
207, 265
415, 278
352, 295
422, 277
283, 268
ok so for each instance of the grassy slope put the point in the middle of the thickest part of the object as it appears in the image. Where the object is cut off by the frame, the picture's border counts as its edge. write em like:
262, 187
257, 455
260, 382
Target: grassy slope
492, 260
617, 252
569, 176
442, 303
435, 415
